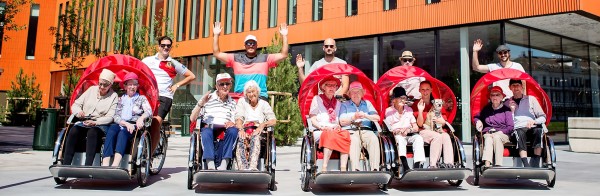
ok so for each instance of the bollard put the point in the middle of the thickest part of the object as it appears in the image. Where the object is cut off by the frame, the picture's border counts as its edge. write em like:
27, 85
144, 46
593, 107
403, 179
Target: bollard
45, 129
185, 125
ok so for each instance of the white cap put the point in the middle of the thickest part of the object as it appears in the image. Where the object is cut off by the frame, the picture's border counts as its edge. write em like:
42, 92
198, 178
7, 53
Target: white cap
223, 76
250, 37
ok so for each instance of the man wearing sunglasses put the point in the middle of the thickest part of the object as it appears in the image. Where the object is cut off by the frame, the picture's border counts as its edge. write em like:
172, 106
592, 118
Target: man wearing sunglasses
165, 69
329, 48
250, 65
411, 85
503, 53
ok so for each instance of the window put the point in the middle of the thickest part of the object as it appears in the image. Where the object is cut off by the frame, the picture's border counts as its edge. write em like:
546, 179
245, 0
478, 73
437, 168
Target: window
194, 25
206, 22
317, 10
254, 17
421, 44
2, 8
272, 13
292, 11
390, 4
432, 1
181, 23
101, 24
228, 16
351, 7
157, 17
109, 33
60, 12
217, 12
32, 31
241, 15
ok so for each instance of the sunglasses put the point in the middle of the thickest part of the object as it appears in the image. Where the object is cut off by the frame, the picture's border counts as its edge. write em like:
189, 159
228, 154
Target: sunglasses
250, 43
496, 95
407, 60
503, 52
104, 84
165, 45
225, 84
328, 46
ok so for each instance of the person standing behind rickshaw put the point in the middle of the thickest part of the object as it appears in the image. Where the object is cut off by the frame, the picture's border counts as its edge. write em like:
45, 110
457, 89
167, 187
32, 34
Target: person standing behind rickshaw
411, 85
324, 110
404, 127
438, 140
255, 114
496, 123
529, 122
504, 55
219, 112
329, 48
98, 103
362, 111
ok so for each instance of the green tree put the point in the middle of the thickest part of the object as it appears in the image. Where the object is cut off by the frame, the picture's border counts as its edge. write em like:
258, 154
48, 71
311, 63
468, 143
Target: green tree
25, 96
73, 42
8, 11
284, 78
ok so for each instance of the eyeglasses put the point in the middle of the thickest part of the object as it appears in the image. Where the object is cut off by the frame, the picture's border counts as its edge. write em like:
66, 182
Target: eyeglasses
250, 43
407, 60
331, 85
225, 84
165, 45
328, 46
495, 95
104, 84
503, 52
132, 84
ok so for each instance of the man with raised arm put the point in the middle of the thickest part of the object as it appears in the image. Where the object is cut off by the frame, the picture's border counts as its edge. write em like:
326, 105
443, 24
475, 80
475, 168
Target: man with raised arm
504, 55
329, 48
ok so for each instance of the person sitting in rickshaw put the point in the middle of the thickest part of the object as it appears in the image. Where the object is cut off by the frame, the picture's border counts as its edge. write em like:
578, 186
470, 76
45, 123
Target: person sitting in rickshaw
324, 110
496, 123
97, 106
219, 112
254, 114
404, 127
529, 119
132, 110
431, 131
362, 112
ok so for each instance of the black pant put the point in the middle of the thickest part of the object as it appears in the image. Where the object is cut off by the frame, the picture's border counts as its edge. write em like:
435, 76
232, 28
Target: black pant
533, 134
93, 137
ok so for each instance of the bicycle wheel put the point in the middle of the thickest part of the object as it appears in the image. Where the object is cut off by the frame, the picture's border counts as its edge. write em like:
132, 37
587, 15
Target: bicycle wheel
160, 154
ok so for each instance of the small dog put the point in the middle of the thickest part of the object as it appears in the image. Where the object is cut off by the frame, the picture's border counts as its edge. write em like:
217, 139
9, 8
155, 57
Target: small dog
436, 111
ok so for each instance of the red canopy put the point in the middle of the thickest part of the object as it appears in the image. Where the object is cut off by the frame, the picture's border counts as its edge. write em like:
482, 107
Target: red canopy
310, 85
392, 77
120, 65
480, 93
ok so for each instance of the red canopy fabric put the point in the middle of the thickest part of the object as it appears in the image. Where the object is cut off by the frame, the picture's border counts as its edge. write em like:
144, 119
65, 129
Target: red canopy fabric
120, 65
480, 93
392, 77
309, 87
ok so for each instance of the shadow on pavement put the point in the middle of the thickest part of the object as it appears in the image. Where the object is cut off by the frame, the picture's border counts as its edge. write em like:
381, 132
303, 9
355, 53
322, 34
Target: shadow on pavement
418, 186
522, 184
99, 184
223, 188
24, 182
346, 189
164, 174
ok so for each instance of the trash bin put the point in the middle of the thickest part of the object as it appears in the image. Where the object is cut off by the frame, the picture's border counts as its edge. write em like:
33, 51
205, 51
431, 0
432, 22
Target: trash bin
185, 125
45, 129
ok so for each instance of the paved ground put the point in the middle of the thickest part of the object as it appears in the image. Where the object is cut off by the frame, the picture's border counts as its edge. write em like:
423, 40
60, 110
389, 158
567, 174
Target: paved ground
25, 172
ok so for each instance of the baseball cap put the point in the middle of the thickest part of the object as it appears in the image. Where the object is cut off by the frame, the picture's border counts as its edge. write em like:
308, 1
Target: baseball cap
128, 76
407, 55
223, 76
502, 48
355, 85
497, 89
250, 37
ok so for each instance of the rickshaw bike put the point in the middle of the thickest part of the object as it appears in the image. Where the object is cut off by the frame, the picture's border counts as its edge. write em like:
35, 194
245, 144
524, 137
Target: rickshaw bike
453, 175
140, 160
311, 159
479, 98
197, 167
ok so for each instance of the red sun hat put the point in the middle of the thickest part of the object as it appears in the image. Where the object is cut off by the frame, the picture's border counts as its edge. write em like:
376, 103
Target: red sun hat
128, 76
498, 89
330, 78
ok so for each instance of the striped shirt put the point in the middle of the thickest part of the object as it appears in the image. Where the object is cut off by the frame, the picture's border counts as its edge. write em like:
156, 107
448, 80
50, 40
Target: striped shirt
246, 69
218, 112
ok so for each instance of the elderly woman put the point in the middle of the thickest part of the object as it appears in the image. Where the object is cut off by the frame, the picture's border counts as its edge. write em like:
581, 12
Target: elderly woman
496, 123
324, 110
132, 110
97, 104
403, 125
254, 114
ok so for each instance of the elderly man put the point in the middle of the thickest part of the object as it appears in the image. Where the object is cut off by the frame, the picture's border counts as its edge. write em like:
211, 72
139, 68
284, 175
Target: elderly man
218, 113
250, 65
529, 119
357, 116
329, 48
504, 55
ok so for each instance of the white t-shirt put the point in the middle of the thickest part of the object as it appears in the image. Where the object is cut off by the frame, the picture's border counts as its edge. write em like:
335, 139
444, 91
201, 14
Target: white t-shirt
164, 73
397, 121
321, 63
318, 108
411, 85
504, 84
260, 114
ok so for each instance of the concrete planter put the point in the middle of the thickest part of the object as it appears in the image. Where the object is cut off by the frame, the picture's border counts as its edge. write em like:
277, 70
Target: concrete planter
584, 134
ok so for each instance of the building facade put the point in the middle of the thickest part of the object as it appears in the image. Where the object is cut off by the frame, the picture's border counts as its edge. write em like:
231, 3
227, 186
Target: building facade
557, 41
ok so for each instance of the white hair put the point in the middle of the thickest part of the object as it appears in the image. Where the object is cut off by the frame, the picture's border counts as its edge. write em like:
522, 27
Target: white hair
251, 84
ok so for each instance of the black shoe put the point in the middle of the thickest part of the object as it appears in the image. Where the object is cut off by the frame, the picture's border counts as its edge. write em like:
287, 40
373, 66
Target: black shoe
405, 166
417, 165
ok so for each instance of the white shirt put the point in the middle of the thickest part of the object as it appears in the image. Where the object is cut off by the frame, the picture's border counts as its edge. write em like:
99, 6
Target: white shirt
397, 121
504, 84
411, 85
260, 114
218, 112
322, 62
164, 75
318, 108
